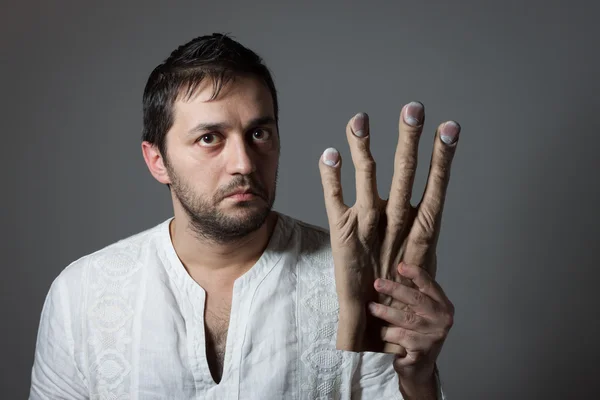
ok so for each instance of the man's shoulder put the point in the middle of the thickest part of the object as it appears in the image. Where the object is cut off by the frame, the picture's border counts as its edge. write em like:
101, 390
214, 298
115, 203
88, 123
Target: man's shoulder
117, 259
310, 235
312, 242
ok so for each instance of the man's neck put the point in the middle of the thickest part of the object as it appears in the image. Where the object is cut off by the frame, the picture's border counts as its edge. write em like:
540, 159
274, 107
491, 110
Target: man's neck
219, 263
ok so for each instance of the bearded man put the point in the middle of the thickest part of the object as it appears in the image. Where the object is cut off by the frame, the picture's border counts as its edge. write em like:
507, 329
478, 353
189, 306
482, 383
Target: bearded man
229, 299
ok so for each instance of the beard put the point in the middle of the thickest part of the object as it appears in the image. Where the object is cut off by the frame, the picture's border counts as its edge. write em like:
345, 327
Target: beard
208, 222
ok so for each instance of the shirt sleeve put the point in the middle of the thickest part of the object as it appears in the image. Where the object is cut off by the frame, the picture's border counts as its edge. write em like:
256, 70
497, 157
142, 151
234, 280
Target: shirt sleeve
55, 374
375, 378
440, 393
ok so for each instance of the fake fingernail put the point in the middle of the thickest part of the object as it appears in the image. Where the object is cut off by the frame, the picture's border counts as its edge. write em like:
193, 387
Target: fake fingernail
413, 113
359, 125
331, 156
450, 132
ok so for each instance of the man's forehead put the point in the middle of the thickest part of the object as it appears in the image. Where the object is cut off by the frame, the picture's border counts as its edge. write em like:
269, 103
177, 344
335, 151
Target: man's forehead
242, 97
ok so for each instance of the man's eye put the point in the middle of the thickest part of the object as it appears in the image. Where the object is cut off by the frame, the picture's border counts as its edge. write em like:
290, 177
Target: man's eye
209, 139
261, 134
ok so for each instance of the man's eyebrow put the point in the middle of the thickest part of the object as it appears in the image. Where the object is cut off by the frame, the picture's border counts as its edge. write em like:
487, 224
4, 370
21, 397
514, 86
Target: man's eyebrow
218, 126
266, 120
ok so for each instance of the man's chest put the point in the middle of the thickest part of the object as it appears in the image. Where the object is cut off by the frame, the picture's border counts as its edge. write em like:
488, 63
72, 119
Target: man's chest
274, 337
216, 326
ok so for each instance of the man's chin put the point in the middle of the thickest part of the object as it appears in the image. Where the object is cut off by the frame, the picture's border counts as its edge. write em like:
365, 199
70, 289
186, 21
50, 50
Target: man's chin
229, 204
246, 219
248, 210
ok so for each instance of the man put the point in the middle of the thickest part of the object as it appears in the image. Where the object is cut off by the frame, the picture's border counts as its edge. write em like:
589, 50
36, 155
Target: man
229, 299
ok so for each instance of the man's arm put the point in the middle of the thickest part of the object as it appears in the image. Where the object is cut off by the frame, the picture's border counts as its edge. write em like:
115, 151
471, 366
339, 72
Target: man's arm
375, 378
421, 329
55, 374
425, 391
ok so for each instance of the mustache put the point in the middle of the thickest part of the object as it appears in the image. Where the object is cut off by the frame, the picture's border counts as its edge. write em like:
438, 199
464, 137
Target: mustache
243, 182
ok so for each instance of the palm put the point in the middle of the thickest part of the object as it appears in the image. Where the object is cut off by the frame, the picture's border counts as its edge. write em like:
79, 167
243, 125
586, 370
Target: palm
373, 236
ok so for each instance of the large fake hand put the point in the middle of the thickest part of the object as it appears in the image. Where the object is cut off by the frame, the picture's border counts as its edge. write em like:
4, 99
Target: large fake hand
371, 238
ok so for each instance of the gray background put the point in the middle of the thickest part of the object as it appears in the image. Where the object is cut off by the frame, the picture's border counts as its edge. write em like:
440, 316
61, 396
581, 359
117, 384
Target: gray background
518, 251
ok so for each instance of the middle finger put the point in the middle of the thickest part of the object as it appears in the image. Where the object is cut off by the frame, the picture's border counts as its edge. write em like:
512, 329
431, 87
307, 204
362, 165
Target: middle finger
417, 301
405, 164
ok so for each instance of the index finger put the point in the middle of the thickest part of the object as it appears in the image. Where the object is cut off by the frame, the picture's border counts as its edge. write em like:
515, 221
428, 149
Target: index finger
330, 165
419, 302
359, 136
424, 282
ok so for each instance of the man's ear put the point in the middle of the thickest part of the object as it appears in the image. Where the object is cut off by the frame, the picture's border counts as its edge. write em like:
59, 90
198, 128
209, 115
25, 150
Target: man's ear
155, 162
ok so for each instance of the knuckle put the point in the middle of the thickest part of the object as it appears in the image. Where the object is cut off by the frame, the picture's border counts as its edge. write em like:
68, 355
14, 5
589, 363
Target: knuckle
423, 274
335, 190
344, 224
418, 297
410, 318
449, 321
410, 337
397, 217
439, 336
426, 220
370, 217
413, 132
451, 308
397, 292
384, 286
367, 165
445, 321
345, 227
417, 357
400, 335
446, 316
406, 165
371, 214
402, 202
429, 285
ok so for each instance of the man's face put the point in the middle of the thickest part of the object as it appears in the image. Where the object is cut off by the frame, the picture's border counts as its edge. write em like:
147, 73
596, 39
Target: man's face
220, 147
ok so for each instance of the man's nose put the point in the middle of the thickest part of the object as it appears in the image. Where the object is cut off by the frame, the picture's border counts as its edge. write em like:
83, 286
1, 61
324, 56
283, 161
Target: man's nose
240, 157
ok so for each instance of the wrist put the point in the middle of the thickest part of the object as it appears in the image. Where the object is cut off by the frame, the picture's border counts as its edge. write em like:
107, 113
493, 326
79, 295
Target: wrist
422, 386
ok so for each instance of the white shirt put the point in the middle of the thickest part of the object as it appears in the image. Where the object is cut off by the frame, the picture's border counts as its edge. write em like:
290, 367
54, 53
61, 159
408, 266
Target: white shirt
126, 322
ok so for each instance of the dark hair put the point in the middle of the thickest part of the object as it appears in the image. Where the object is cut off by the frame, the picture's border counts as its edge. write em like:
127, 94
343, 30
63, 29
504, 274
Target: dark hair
217, 57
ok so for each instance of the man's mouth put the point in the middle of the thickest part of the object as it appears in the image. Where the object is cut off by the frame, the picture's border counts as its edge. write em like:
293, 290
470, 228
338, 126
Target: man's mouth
242, 194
